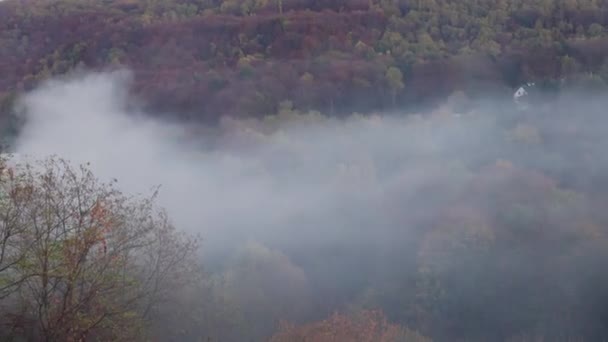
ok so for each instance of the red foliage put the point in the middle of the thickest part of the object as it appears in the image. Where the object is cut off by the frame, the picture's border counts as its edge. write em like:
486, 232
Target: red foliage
366, 326
172, 50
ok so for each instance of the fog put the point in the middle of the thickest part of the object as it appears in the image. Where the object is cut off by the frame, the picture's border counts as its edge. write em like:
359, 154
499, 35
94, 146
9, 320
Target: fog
360, 207
238, 183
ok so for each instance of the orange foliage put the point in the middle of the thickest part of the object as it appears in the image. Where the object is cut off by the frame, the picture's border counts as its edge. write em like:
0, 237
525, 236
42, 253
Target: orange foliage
365, 326
101, 215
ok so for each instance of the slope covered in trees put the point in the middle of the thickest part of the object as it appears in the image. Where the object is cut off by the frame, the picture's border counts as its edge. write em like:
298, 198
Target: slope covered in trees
482, 226
79, 260
207, 58
452, 239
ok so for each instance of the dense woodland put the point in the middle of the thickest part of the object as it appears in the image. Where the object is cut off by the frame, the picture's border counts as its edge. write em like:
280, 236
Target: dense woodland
208, 58
485, 224
488, 226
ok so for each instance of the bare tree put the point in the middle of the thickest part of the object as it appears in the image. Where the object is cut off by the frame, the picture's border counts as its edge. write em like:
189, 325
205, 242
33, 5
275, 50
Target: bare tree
12, 229
81, 261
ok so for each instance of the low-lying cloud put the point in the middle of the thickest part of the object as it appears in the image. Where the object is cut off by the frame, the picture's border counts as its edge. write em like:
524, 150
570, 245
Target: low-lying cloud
376, 210
243, 183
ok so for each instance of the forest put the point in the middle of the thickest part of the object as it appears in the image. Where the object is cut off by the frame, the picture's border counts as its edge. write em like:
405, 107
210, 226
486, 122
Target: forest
303, 170
473, 222
205, 59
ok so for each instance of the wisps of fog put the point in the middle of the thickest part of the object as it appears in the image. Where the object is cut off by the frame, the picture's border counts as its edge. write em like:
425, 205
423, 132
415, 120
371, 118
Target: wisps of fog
250, 180
350, 202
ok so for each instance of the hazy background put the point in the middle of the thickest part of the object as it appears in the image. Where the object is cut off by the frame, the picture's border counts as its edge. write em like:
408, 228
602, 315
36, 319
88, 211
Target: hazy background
481, 223
244, 180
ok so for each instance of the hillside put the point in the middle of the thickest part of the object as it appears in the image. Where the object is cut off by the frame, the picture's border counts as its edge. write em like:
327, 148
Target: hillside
207, 58
321, 203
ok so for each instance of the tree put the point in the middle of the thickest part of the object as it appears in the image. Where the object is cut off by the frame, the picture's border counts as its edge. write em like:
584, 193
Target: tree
267, 286
80, 260
603, 72
394, 78
595, 30
12, 252
569, 65
364, 326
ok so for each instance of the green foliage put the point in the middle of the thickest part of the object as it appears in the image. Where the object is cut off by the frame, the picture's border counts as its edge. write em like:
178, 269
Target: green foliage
157, 38
115, 55
394, 78
91, 270
245, 57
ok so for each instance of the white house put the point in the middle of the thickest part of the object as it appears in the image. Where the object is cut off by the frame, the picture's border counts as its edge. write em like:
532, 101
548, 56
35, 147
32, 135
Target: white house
520, 95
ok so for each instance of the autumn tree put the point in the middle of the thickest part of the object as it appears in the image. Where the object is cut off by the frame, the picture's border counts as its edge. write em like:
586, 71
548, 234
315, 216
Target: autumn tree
394, 78
12, 251
80, 260
159, 39
364, 326
267, 286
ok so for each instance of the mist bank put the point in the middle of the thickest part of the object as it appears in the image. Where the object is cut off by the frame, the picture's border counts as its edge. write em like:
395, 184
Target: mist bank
481, 222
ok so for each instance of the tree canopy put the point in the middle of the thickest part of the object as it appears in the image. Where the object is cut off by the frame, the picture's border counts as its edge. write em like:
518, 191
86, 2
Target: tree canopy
81, 261
203, 59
